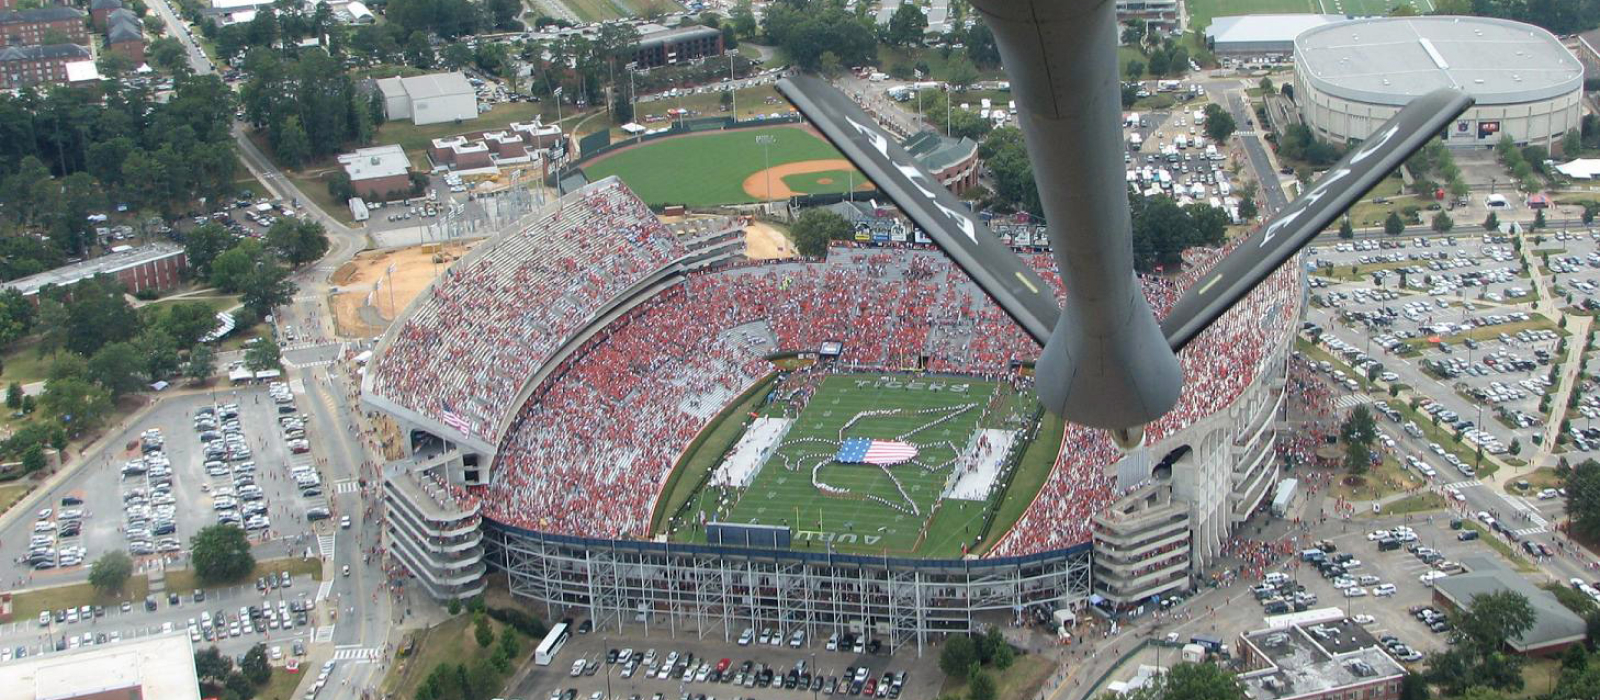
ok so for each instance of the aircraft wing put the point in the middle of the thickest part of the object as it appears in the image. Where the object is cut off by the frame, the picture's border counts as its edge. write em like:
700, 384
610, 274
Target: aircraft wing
1294, 227
977, 250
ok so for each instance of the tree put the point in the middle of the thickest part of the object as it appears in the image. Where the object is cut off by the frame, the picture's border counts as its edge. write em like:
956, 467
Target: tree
1346, 231
958, 655
482, 631
815, 228
1538, 220
16, 317
1492, 222
263, 354
265, 287
1358, 432
960, 72
1219, 123
14, 396
1247, 207
202, 244
906, 25
167, 54
1583, 498
456, 55
828, 63
117, 367
202, 363
1133, 70
1394, 225
1413, 687
1442, 222
299, 241
75, 403
221, 554
981, 686
111, 571
255, 666
158, 353
187, 322
33, 458
292, 145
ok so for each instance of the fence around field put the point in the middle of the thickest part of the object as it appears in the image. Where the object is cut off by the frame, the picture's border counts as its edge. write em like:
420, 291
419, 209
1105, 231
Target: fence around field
681, 127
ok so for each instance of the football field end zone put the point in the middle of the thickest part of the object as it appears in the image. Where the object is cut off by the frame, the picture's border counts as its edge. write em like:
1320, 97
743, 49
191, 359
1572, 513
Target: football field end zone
673, 496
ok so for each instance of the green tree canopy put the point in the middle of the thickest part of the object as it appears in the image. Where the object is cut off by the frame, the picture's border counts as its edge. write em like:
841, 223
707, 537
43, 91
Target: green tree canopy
111, 571
958, 655
119, 368
815, 228
1219, 123
221, 554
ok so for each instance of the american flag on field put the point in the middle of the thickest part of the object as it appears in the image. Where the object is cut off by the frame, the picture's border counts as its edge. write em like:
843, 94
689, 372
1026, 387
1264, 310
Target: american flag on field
456, 420
870, 451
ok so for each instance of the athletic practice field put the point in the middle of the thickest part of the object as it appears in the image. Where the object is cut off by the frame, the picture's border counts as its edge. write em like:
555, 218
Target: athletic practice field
865, 508
727, 167
1201, 12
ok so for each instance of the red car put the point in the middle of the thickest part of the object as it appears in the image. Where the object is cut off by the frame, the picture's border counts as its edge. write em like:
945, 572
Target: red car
866, 690
722, 666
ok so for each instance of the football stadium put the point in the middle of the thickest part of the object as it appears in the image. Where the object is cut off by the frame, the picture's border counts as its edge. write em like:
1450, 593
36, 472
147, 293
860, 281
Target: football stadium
630, 418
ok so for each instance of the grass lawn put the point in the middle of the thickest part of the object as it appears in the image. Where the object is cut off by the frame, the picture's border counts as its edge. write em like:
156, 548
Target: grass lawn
825, 181
1482, 333
237, 339
754, 101
1037, 462
183, 581
26, 606
938, 64
869, 508
704, 454
1433, 433
1357, 273
451, 642
720, 162
282, 684
1023, 680
11, 493
24, 365
1419, 503
218, 302
1538, 480
1488, 537
1386, 479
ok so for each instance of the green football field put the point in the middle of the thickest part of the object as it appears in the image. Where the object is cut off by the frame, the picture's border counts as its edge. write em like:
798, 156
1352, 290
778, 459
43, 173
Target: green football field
708, 169
1201, 12
784, 496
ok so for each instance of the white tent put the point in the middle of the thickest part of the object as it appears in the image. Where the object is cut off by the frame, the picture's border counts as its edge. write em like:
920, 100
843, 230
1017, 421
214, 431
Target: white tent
1581, 169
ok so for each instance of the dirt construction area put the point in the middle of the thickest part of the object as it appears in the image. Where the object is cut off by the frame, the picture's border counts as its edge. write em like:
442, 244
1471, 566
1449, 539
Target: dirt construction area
378, 284
764, 242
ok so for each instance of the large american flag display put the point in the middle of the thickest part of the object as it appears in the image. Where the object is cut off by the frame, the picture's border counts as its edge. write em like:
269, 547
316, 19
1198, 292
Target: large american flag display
870, 451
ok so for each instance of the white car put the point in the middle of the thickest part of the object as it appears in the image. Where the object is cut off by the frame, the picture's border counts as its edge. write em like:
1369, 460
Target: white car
746, 636
1428, 577
1376, 535
1384, 590
577, 668
1354, 592
1364, 619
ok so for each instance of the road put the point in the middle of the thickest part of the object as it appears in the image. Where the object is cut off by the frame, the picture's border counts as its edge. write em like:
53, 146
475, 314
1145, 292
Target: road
364, 615
1274, 198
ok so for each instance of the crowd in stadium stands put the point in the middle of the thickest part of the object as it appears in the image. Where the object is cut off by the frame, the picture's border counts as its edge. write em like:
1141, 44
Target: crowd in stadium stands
497, 315
591, 449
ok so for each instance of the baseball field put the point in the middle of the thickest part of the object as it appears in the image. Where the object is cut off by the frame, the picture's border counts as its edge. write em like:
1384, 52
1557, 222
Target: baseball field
867, 508
729, 167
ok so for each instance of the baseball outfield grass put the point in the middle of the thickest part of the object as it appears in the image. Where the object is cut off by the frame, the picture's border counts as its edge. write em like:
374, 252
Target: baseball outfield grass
708, 169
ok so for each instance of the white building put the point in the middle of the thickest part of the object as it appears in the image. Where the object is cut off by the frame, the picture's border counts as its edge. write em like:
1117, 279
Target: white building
1261, 35
429, 99
1351, 77
161, 666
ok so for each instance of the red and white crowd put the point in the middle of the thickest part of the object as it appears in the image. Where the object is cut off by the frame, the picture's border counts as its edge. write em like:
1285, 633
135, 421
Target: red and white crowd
591, 449
494, 318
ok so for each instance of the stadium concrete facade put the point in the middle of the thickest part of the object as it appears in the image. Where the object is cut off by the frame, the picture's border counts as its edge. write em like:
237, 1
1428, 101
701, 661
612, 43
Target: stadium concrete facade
1351, 77
1207, 467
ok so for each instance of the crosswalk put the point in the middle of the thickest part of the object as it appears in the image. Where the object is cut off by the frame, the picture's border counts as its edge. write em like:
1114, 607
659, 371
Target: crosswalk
346, 486
1524, 532
1352, 400
355, 654
324, 590
308, 365
324, 634
1464, 484
304, 344
325, 545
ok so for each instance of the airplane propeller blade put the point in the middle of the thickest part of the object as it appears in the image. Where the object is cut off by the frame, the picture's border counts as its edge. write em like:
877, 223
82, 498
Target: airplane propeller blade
972, 245
1293, 228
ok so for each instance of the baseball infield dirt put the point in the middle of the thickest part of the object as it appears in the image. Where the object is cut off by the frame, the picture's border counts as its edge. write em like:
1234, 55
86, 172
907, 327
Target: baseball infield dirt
756, 185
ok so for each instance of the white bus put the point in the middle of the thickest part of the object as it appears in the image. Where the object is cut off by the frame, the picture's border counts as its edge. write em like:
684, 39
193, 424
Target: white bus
551, 645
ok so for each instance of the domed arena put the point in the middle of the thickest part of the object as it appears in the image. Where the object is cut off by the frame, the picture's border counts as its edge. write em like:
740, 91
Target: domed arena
631, 416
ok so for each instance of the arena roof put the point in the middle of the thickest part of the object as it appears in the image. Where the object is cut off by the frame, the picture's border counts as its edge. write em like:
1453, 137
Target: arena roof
1391, 60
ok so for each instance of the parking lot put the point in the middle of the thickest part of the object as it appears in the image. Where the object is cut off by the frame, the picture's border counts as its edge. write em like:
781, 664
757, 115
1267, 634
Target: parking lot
660, 666
169, 480
1452, 317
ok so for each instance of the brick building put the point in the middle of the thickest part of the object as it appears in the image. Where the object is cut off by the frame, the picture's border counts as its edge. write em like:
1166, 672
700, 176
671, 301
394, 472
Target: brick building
677, 45
378, 172
99, 10
125, 35
158, 266
31, 27
24, 66
954, 162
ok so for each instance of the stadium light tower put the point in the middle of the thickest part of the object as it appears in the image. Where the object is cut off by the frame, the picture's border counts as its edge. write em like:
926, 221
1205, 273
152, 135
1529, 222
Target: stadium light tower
1107, 361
